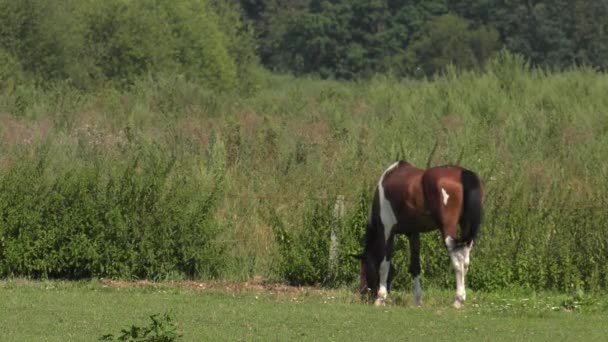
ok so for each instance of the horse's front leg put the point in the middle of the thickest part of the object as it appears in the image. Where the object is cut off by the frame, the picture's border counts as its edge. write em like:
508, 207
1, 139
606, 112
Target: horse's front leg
383, 289
385, 273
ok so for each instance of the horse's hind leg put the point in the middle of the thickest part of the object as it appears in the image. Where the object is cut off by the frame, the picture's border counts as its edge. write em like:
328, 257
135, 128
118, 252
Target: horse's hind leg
460, 261
414, 240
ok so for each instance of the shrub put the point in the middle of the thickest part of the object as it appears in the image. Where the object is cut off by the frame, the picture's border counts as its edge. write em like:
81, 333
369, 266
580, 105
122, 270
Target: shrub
150, 217
161, 329
89, 43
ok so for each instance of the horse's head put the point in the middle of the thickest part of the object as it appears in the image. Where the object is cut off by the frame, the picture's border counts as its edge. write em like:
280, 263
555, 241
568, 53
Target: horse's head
369, 274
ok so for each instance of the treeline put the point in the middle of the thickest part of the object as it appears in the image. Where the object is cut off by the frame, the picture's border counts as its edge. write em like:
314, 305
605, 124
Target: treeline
220, 43
352, 38
88, 43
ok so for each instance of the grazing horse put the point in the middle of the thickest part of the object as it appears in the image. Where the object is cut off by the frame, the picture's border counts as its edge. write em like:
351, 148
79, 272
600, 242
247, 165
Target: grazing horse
411, 201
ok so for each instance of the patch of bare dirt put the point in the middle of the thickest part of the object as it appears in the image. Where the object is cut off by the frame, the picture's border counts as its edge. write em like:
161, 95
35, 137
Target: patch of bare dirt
257, 285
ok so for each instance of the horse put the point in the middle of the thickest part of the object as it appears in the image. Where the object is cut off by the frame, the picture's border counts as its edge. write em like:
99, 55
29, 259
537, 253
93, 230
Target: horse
411, 201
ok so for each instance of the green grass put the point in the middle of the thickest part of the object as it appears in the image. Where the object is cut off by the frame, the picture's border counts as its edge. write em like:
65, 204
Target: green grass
83, 311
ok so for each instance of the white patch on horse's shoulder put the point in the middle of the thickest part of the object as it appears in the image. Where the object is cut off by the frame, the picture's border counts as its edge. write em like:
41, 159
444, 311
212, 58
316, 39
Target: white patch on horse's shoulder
445, 196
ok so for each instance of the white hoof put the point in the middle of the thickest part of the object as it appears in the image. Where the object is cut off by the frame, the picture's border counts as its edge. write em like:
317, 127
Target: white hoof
379, 302
458, 304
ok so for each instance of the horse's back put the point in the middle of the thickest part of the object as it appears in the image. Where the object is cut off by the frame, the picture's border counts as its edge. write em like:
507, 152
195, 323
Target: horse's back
424, 200
443, 181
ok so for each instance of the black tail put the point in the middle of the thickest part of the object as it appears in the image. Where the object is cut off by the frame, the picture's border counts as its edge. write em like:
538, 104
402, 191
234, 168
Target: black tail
472, 210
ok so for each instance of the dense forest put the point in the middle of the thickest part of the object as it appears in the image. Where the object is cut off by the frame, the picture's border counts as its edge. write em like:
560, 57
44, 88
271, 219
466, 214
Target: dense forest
351, 38
221, 43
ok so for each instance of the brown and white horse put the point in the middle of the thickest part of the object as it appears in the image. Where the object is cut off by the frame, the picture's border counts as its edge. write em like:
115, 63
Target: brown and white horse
410, 201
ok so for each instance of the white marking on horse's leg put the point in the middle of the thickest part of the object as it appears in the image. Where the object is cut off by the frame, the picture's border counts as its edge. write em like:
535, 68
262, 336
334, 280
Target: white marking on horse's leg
457, 255
467, 257
387, 216
445, 196
460, 290
450, 243
385, 266
417, 290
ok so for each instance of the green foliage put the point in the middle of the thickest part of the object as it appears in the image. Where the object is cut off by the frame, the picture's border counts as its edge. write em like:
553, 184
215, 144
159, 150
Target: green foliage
539, 229
161, 329
360, 38
591, 42
43, 36
169, 180
88, 43
554, 34
509, 68
11, 72
148, 216
448, 40
219, 43
350, 39
241, 44
305, 252
132, 39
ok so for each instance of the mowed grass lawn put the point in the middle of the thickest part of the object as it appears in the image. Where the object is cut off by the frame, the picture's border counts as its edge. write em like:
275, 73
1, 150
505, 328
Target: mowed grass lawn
84, 311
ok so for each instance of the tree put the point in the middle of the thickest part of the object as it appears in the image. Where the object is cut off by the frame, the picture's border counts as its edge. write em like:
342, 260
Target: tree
447, 40
352, 38
590, 33
542, 31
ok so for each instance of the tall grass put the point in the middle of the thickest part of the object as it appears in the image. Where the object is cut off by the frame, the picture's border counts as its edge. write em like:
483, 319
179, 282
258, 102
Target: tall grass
244, 185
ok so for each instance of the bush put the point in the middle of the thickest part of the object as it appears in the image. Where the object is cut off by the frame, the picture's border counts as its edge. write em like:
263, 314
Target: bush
161, 329
89, 43
11, 73
150, 217
44, 37
305, 249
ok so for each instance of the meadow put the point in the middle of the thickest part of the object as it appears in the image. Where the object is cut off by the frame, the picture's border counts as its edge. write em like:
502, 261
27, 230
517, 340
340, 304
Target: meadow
85, 311
149, 163
166, 180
